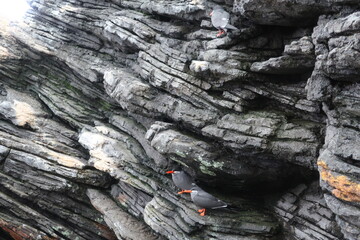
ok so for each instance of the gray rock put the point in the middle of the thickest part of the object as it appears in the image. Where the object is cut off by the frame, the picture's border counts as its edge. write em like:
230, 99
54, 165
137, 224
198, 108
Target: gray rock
261, 131
305, 206
109, 95
134, 95
138, 131
132, 199
123, 224
287, 12
349, 216
4, 152
303, 46
284, 65
341, 179
180, 9
339, 59
298, 57
318, 87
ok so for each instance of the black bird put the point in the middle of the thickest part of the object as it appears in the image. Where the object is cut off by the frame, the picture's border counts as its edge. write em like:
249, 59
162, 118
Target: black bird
220, 19
204, 200
181, 179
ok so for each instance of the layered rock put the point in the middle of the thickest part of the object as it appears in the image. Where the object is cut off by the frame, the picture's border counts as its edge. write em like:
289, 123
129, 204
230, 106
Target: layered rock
306, 215
99, 98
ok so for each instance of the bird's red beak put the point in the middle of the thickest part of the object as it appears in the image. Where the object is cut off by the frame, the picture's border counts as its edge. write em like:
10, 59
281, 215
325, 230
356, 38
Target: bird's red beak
211, 13
168, 172
186, 191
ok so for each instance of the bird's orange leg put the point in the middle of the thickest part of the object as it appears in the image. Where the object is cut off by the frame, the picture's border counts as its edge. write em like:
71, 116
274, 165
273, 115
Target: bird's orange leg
202, 211
221, 32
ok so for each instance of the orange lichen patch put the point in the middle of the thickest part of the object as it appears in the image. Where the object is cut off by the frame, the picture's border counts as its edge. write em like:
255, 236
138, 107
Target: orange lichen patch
344, 188
322, 164
346, 196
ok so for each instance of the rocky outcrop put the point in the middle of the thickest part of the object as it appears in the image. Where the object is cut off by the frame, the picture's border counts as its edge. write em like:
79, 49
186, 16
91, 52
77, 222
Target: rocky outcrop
98, 99
306, 215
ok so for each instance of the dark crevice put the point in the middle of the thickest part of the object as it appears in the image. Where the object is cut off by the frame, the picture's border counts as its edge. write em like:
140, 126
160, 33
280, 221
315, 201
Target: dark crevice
350, 160
3, 159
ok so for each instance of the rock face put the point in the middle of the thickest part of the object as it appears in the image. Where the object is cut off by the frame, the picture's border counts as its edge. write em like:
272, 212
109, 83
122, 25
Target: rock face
98, 99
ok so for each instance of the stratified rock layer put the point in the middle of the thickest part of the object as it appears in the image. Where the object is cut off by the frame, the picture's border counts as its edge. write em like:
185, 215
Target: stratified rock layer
98, 99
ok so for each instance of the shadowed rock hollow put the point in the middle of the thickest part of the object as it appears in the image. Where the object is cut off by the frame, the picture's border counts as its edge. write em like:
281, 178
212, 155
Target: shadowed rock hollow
98, 99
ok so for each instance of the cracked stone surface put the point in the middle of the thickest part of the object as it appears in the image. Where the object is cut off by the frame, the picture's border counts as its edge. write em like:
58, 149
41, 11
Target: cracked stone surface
98, 99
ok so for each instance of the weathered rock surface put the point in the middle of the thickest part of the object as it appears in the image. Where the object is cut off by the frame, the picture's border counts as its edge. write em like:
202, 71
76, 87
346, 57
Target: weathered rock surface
99, 98
288, 12
298, 58
306, 215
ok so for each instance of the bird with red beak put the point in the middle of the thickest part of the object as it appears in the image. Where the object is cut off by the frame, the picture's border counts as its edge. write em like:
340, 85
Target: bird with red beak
204, 200
181, 179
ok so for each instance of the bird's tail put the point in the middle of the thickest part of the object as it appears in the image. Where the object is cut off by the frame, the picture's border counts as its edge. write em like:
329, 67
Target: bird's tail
229, 26
232, 208
223, 206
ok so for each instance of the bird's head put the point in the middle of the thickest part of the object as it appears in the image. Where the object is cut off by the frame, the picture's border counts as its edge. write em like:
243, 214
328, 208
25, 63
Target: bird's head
194, 189
215, 8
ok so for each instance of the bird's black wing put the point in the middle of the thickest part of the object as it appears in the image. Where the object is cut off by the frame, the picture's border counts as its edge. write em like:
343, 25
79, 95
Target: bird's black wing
206, 200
